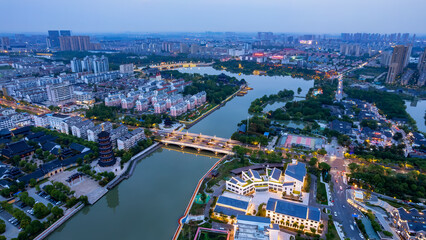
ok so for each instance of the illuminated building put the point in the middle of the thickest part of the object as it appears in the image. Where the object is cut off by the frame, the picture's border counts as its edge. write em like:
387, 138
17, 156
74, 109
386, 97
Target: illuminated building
106, 155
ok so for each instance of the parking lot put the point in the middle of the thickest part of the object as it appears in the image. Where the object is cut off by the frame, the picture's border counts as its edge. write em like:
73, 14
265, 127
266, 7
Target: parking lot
32, 193
11, 230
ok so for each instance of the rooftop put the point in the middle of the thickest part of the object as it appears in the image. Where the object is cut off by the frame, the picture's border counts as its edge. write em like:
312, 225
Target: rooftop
296, 171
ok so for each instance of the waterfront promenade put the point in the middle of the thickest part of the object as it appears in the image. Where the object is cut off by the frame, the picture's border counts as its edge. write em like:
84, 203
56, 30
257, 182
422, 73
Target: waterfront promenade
70, 212
185, 215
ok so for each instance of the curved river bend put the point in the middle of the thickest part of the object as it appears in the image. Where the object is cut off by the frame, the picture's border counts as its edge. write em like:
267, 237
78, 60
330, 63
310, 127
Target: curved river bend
149, 204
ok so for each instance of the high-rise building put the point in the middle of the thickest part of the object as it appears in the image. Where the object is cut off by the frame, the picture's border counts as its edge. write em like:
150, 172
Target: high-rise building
385, 58
106, 155
4, 43
400, 58
265, 35
60, 93
76, 65
65, 33
75, 43
53, 38
100, 64
421, 66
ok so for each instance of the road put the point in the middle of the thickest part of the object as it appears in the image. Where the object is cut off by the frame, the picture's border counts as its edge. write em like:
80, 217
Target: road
29, 108
341, 207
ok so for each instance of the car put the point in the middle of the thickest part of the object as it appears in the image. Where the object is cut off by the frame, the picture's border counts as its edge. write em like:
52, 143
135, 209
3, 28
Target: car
343, 206
352, 227
335, 214
58, 203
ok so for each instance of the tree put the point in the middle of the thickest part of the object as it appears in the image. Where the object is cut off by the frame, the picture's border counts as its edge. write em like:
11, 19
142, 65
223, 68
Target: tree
313, 161
313, 230
299, 90
57, 212
302, 227
353, 167
324, 166
322, 151
40, 210
203, 197
2, 226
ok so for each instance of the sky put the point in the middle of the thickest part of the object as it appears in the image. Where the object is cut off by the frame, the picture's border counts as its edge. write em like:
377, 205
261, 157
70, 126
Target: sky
296, 16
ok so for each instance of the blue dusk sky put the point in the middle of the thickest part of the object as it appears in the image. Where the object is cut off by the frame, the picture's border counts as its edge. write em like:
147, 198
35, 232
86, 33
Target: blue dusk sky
297, 16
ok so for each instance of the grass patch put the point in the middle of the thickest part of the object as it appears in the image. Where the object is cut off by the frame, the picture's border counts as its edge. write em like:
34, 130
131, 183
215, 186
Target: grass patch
224, 171
322, 194
197, 209
331, 231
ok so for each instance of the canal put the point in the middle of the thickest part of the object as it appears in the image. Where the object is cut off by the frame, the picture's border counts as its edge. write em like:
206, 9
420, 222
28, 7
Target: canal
149, 204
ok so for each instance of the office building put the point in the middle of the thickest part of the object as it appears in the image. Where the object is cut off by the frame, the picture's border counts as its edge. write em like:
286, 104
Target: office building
400, 58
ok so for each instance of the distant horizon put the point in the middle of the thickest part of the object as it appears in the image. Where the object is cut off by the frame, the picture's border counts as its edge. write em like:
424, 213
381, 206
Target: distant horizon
76, 33
153, 16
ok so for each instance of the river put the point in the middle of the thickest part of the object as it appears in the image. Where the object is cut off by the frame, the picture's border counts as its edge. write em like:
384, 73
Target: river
418, 113
223, 122
149, 204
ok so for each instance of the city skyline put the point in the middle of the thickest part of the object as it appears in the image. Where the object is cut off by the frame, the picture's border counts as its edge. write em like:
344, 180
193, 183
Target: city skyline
130, 16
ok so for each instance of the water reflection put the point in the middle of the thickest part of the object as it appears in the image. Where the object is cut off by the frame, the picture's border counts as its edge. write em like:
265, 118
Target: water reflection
112, 198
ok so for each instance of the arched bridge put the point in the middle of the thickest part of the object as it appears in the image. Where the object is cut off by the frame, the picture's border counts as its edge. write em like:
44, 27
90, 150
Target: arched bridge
198, 141
168, 66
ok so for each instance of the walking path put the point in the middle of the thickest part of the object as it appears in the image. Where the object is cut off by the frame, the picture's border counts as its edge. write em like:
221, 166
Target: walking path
182, 220
69, 213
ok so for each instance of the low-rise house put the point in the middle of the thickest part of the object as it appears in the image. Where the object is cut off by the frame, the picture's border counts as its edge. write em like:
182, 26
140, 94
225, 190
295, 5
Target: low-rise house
411, 223
20, 148
341, 127
79, 148
52, 168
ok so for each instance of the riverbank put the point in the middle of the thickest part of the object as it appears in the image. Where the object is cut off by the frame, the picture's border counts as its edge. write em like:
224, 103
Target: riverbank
185, 215
60, 221
189, 124
132, 163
